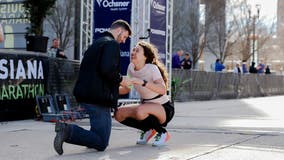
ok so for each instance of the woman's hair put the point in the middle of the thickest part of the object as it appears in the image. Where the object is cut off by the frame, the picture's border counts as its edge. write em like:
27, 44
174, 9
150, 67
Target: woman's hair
152, 57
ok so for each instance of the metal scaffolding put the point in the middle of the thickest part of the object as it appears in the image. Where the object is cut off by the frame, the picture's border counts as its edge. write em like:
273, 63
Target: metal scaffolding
140, 20
86, 25
169, 42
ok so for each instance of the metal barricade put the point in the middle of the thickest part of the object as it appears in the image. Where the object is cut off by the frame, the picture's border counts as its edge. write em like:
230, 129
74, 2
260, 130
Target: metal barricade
199, 85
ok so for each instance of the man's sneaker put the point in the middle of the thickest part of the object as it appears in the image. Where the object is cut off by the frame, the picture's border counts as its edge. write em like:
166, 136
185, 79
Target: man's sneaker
161, 139
62, 133
146, 136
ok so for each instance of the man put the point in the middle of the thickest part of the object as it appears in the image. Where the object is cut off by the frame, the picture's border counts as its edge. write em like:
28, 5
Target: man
219, 66
186, 63
55, 51
96, 90
252, 68
176, 59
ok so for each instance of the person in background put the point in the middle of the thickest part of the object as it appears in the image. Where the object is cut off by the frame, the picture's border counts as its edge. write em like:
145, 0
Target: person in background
186, 63
96, 90
237, 69
1, 34
260, 67
149, 78
55, 51
219, 66
252, 68
176, 59
244, 67
267, 70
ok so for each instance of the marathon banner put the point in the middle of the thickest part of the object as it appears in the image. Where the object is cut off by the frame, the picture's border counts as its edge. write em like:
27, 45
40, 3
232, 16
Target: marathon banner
106, 12
158, 25
22, 78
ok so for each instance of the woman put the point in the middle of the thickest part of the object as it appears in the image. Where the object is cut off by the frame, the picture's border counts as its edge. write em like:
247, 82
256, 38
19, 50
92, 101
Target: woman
149, 78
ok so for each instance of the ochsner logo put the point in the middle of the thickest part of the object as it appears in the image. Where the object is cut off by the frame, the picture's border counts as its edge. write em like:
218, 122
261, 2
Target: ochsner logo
111, 3
99, 2
158, 6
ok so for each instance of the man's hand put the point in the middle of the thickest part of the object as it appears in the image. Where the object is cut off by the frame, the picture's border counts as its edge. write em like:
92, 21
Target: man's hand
137, 81
126, 81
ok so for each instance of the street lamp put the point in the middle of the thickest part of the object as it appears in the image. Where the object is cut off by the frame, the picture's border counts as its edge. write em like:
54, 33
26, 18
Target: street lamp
254, 17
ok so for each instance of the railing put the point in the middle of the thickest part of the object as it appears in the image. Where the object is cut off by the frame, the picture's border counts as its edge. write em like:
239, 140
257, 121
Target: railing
189, 85
62, 75
200, 85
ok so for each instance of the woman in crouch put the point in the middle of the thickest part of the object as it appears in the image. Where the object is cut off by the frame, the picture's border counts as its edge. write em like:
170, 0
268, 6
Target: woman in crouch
149, 78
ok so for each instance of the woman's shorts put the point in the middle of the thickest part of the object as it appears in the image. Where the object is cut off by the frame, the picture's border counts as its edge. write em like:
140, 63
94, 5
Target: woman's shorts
170, 111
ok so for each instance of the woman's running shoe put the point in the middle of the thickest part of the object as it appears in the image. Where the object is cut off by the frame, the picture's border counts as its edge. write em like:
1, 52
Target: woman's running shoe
146, 136
161, 139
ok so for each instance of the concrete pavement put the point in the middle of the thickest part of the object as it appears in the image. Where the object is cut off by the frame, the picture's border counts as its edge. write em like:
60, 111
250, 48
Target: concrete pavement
242, 129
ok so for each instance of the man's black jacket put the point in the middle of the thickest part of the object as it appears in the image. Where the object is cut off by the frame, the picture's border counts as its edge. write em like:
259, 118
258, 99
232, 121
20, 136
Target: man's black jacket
99, 74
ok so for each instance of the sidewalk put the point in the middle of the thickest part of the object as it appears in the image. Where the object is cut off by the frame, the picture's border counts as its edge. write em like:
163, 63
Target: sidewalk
246, 129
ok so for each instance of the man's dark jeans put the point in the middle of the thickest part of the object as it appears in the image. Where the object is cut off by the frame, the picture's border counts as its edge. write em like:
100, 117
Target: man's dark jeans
98, 135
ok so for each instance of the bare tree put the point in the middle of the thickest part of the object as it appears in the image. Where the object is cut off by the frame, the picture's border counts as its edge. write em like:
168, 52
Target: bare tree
227, 29
181, 25
62, 22
237, 36
188, 32
196, 33
244, 25
264, 33
215, 19
241, 20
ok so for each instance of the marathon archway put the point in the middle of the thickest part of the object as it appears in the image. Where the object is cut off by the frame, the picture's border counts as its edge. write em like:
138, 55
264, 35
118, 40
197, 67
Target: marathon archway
151, 20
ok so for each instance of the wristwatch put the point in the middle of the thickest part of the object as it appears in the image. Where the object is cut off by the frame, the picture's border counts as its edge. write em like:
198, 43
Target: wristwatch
145, 82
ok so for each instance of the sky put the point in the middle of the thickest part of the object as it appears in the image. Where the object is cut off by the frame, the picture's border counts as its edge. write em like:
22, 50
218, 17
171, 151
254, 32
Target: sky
268, 7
